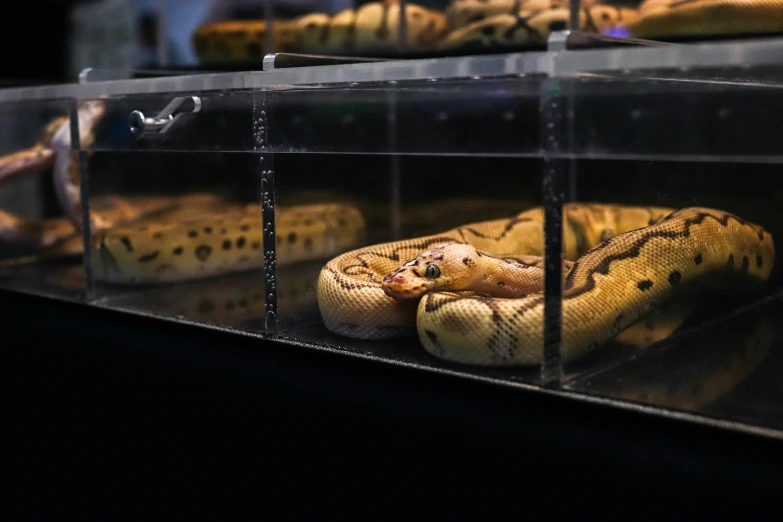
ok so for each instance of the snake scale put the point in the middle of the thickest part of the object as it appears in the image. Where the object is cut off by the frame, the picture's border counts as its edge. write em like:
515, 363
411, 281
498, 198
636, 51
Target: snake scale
375, 27
474, 294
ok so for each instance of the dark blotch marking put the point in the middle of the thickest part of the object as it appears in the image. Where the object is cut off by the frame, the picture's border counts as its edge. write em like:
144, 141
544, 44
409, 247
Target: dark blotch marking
149, 257
634, 250
206, 306
157, 235
745, 264
244, 228
434, 339
308, 243
452, 322
203, 252
644, 285
256, 245
127, 243
192, 233
618, 320
557, 26
698, 259
730, 262
207, 230
291, 238
241, 242
227, 244
178, 251
759, 261
674, 278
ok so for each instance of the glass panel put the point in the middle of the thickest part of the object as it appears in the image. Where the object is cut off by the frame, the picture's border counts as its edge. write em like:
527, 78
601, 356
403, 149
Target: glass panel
203, 121
40, 247
429, 117
175, 215
353, 206
673, 295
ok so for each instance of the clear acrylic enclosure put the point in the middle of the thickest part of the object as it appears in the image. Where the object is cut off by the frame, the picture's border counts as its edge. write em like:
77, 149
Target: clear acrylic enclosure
40, 242
597, 222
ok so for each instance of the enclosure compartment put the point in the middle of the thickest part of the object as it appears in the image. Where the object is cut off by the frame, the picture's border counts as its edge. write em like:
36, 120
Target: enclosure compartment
173, 195
413, 165
673, 295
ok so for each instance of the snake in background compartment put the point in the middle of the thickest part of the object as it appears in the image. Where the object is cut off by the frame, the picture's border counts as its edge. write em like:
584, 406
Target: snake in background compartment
158, 239
374, 27
474, 294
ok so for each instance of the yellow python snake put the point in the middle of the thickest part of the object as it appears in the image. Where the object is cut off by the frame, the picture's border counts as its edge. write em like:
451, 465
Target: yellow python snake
158, 239
475, 295
474, 24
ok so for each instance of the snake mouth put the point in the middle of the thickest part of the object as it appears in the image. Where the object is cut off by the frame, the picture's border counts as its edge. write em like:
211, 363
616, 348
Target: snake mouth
405, 292
397, 286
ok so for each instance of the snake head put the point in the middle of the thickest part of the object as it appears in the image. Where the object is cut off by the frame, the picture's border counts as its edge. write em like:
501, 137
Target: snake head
445, 267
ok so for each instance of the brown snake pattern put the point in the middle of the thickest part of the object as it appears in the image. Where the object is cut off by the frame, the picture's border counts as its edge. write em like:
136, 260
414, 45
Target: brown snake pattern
375, 27
627, 262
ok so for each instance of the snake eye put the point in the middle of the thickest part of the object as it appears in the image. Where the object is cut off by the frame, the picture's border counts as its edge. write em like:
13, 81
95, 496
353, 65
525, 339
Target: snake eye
432, 271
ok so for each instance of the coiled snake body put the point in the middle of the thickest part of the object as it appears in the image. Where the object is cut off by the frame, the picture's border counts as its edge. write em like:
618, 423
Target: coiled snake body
376, 27
626, 262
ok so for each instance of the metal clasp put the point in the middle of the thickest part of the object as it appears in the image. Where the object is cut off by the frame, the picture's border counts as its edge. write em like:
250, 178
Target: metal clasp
140, 125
